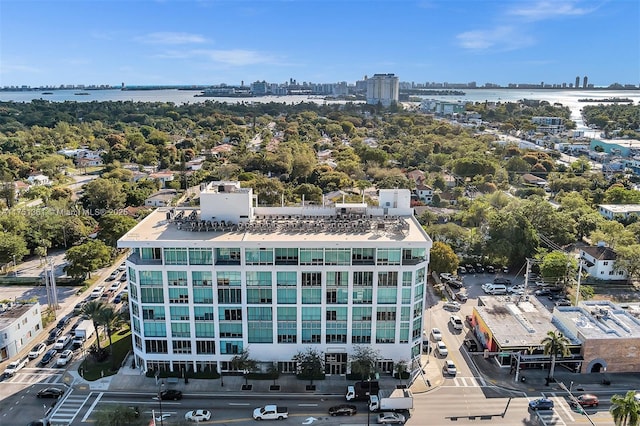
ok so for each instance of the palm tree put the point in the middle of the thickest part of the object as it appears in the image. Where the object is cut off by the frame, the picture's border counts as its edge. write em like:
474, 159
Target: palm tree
110, 320
93, 310
625, 410
555, 344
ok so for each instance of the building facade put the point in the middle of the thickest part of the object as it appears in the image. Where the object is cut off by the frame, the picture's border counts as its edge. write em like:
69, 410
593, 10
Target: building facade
383, 89
19, 327
206, 284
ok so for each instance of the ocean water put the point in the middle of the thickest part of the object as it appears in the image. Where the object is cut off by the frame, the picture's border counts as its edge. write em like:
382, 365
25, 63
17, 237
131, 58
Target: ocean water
567, 97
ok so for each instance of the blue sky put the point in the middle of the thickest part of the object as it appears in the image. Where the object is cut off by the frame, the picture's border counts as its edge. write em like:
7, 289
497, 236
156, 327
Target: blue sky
217, 41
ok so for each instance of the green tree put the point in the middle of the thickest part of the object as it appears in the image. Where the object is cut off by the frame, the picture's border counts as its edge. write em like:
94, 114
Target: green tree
310, 364
443, 258
113, 226
111, 321
12, 246
364, 361
243, 362
557, 266
628, 259
555, 344
93, 310
116, 415
86, 258
101, 195
625, 410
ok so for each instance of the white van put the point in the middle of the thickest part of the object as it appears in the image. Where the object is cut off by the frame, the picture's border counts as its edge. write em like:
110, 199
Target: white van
495, 289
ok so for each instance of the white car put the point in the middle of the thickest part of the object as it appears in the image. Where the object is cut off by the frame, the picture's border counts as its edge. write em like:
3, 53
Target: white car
456, 322
198, 415
390, 418
436, 334
486, 286
442, 348
450, 368
452, 306
114, 287
64, 358
62, 342
37, 350
16, 365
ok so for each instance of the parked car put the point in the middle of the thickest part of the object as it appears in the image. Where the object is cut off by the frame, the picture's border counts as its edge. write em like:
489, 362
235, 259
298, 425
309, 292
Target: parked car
541, 404
505, 269
53, 335
198, 415
171, 394
542, 292
563, 302
391, 418
50, 393
343, 410
37, 350
450, 368
64, 358
471, 345
48, 357
452, 306
503, 281
490, 269
586, 400
442, 349
455, 284
445, 276
462, 297
470, 269
479, 268
436, 334
461, 270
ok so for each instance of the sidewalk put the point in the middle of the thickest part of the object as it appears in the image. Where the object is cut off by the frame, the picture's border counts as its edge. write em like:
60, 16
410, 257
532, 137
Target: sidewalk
129, 380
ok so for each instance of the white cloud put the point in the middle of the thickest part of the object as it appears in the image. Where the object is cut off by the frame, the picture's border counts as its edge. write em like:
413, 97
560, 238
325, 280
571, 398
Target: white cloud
499, 38
548, 10
234, 57
171, 38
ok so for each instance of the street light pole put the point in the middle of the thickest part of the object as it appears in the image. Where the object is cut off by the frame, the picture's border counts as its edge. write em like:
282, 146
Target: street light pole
160, 402
579, 277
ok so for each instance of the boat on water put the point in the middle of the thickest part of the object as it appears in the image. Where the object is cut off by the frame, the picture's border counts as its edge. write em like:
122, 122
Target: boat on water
47, 93
81, 93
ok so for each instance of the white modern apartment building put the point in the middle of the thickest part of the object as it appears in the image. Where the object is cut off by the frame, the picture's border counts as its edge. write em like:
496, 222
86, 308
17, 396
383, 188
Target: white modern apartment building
207, 283
383, 89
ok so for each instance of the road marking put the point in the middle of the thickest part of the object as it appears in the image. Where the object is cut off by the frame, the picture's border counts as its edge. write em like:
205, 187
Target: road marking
307, 405
238, 403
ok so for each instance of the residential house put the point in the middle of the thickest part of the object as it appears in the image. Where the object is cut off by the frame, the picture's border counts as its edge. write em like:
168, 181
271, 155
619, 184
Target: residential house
533, 180
39, 179
600, 263
163, 177
424, 193
416, 176
615, 211
162, 198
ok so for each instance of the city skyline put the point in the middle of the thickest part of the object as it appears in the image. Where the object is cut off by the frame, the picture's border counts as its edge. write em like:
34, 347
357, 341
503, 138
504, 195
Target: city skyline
213, 42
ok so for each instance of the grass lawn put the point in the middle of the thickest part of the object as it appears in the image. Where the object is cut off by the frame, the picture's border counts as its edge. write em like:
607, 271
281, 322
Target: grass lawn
93, 370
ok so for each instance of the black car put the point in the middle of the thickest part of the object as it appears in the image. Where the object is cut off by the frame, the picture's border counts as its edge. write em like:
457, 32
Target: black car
455, 284
64, 321
490, 269
171, 394
542, 292
48, 357
50, 393
53, 335
343, 410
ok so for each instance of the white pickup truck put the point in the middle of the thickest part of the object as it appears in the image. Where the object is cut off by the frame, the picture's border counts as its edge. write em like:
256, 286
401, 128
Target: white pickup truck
270, 412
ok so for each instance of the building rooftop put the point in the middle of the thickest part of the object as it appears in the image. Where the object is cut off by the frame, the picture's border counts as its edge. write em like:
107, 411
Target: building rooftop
516, 321
311, 224
620, 208
597, 320
9, 314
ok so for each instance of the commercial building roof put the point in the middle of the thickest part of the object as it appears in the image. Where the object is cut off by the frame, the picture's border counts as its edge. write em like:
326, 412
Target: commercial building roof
597, 320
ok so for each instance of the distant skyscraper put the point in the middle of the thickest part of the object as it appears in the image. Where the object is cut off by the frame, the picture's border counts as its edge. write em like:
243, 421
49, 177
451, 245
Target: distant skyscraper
383, 88
577, 82
584, 82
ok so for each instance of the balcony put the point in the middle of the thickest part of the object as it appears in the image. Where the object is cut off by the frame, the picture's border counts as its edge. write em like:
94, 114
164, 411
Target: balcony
137, 260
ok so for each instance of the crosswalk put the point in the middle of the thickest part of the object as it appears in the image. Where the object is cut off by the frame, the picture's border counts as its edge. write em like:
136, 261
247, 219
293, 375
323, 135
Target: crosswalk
465, 382
67, 409
553, 417
30, 376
